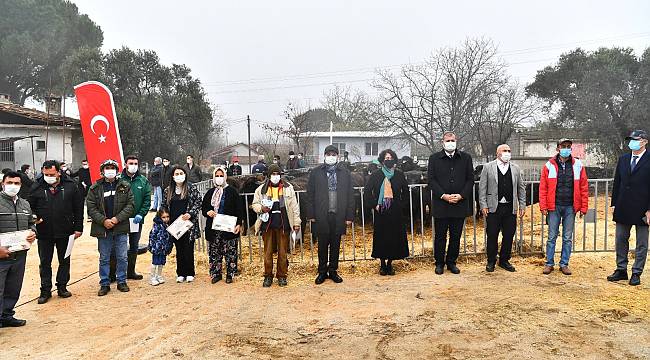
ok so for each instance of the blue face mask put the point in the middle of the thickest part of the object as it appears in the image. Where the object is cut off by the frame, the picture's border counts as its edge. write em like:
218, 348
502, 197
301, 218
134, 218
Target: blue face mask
634, 145
565, 153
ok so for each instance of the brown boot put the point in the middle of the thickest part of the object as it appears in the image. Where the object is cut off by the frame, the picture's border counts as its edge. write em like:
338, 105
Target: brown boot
547, 270
565, 270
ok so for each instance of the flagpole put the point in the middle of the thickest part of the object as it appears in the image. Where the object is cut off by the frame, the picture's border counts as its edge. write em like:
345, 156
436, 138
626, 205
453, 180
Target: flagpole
331, 132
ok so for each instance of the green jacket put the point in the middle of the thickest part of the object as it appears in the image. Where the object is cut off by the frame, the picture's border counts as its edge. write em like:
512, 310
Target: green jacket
141, 188
123, 207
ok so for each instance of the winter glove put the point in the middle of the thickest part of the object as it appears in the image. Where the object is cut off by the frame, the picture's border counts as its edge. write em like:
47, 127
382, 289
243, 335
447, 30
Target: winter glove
137, 219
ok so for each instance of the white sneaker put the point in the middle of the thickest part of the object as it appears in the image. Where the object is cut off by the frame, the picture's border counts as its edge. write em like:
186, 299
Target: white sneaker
154, 281
154, 275
190, 279
161, 279
180, 279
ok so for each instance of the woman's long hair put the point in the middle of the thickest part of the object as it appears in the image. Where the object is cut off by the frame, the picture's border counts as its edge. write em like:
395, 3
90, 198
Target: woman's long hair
172, 186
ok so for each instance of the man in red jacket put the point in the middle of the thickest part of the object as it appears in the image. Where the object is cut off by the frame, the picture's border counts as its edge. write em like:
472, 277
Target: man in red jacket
563, 192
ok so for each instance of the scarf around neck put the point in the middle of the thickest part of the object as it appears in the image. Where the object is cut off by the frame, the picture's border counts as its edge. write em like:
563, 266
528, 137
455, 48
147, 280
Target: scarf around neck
331, 177
385, 198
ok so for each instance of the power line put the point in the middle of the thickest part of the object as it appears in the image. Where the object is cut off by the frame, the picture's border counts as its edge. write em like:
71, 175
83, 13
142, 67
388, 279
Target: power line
372, 69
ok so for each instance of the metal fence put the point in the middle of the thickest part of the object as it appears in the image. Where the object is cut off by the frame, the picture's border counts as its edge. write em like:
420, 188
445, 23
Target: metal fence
591, 232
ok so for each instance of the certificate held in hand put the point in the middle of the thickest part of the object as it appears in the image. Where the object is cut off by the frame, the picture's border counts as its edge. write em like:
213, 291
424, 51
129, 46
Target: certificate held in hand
179, 227
15, 240
223, 222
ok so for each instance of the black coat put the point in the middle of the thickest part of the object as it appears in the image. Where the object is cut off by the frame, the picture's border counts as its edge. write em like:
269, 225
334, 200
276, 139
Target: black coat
389, 235
451, 176
234, 170
26, 185
232, 206
156, 175
318, 199
166, 176
193, 174
631, 192
62, 214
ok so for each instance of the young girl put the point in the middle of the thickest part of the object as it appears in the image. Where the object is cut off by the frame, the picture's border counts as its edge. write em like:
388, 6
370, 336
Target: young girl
160, 245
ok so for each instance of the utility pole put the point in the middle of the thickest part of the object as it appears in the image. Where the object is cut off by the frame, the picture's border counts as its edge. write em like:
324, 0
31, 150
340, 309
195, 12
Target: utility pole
250, 166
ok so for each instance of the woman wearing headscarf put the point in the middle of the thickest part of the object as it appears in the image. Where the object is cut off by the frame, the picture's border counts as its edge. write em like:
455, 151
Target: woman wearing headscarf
387, 193
222, 199
182, 199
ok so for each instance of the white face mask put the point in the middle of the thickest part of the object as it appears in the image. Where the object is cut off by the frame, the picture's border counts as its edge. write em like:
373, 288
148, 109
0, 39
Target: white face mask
179, 179
236, 163
49, 179
64, 168
219, 180
331, 160
506, 156
132, 168
166, 163
11, 189
110, 173
84, 166
450, 146
275, 179
291, 157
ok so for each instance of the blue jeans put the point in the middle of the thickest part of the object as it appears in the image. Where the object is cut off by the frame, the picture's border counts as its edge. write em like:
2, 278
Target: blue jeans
134, 241
157, 197
567, 216
112, 243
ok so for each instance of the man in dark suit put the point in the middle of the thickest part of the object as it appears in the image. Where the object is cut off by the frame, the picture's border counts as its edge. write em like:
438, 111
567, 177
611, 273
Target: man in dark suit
451, 180
84, 177
631, 201
330, 208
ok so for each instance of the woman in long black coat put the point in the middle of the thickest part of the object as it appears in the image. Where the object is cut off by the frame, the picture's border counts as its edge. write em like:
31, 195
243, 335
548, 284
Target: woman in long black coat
387, 193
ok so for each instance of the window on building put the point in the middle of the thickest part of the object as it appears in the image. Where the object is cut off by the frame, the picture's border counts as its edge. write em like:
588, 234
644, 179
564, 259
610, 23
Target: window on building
40, 145
372, 148
7, 150
340, 146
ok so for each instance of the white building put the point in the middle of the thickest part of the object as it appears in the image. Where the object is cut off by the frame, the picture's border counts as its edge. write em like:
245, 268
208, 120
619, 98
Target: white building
29, 136
362, 146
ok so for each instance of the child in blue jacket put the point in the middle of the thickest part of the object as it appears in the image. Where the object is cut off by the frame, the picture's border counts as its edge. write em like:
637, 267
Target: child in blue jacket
160, 245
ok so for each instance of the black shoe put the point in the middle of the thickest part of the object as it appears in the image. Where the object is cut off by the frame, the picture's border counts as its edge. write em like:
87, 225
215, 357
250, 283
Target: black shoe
228, 279
383, 271
130, 268
103, 290
335, 277
489, 267
282, 281
618, 275
45, 296
440, 269
216, 279
268, 281
62, 292
123, 287
507, 266
13, 322
320, 278
453, 268
390, 270
635, 279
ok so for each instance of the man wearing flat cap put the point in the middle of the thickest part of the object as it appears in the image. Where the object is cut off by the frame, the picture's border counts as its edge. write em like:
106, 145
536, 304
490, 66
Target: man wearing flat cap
563, 192
330, 208
631, 202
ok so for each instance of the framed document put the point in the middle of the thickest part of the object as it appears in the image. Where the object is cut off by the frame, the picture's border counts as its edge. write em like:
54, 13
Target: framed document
223, 222
179, 227
15, 240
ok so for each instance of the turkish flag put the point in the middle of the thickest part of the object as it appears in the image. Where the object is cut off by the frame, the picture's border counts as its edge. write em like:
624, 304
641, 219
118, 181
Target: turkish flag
98, 125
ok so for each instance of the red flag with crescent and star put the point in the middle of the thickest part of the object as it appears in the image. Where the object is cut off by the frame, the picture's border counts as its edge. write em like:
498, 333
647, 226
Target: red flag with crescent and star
99, 125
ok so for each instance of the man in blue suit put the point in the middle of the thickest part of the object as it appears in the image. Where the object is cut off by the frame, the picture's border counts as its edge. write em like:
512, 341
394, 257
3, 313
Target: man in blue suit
631, 201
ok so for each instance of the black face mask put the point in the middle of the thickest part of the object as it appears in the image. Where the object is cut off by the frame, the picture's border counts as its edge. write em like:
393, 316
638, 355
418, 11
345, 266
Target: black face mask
389, 163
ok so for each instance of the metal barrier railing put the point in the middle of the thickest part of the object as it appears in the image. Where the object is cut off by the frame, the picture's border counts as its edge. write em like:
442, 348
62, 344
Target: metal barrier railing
530, 237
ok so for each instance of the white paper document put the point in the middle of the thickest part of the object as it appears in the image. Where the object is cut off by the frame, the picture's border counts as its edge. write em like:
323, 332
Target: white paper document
223, 222
15, 240
179, 227
134, 228
68, 251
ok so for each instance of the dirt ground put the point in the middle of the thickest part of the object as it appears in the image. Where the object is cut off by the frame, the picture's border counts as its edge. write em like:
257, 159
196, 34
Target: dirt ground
415, 314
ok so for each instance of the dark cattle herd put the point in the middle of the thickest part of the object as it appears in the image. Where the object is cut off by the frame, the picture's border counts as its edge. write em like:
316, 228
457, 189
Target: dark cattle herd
415, 175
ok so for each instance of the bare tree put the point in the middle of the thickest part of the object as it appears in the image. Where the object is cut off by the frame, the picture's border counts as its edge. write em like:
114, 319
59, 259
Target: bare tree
350, 110
273, 134
446, 93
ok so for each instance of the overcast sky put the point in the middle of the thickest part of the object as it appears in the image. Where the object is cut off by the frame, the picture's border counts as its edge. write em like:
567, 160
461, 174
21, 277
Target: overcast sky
253, 57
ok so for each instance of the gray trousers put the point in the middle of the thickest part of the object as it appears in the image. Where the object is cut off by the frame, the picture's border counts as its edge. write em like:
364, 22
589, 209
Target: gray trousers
11, 282
623, 247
